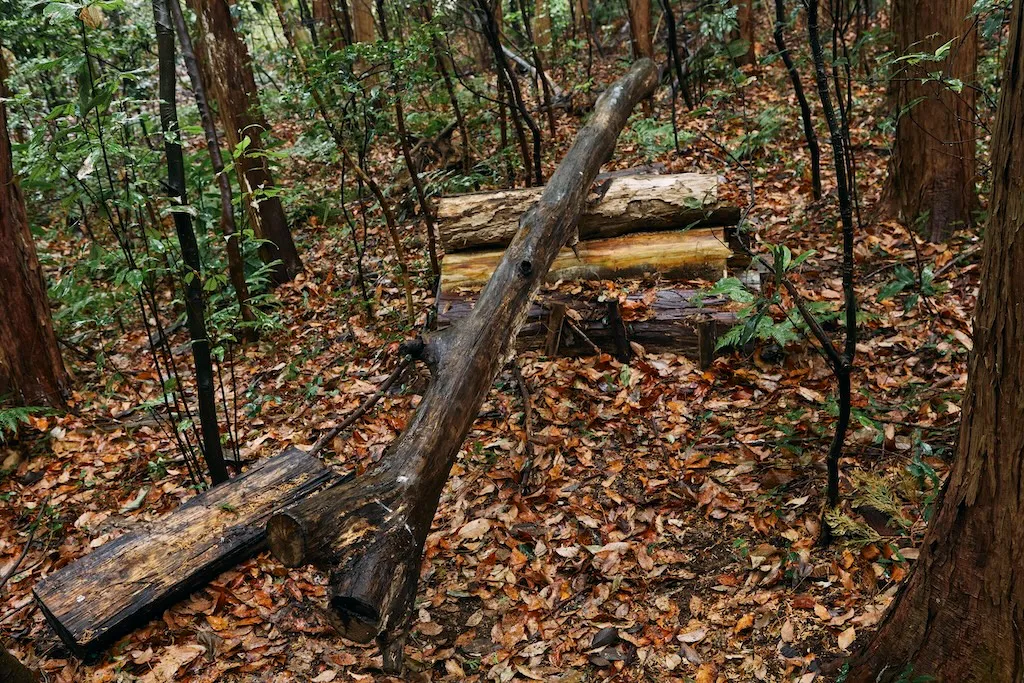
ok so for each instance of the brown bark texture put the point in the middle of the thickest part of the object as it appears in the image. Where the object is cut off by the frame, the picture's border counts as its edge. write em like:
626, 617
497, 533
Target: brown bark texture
369, 534
31, 368
363, 28
629, 204
933, 169
640, 28
226, 63
959, 617
669, 321
745, 23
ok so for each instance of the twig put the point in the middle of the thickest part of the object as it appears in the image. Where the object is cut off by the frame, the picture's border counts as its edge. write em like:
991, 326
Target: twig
28, 545
361, 410
583, 335
964, 255
524, 391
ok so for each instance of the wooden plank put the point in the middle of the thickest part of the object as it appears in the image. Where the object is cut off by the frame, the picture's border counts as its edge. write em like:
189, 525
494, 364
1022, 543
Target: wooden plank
631, 203
95, 600
680, 254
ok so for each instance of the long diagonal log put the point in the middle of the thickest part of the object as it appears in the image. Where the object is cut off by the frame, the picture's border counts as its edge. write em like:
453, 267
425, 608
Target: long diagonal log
369, 533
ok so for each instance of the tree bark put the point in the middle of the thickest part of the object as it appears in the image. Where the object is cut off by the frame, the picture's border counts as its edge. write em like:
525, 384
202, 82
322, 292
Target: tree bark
363, 29
933, 170
677, 255
745, 23
640, 28
95, 600
629, 204
959, 616
31, 368
233, 86
369, 535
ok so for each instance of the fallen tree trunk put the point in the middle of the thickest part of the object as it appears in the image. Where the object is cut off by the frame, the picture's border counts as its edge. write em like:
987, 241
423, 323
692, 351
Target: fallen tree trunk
93, 601
668, 320
629, 204
700, 253
369, 533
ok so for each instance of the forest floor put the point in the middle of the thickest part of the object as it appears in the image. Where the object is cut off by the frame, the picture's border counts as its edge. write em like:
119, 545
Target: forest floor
665, 528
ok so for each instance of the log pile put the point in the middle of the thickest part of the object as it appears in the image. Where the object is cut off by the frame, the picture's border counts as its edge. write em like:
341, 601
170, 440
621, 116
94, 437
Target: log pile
672, 227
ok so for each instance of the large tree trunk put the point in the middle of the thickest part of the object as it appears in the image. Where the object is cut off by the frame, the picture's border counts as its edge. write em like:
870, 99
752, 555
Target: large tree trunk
226, 63
363, 30
933, 169
640, 28
745, 22
629, 204
369, 534
960, 614
31, 369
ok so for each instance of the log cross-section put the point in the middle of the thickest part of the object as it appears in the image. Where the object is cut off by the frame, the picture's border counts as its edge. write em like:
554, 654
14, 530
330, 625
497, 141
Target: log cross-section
369, 533
95, 600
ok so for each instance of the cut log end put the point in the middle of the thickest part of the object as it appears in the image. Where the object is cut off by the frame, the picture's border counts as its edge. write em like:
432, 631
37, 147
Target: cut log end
286, 535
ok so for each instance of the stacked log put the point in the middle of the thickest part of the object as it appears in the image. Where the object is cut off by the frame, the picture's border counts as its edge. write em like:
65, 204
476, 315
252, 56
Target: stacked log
671, 227
626, 204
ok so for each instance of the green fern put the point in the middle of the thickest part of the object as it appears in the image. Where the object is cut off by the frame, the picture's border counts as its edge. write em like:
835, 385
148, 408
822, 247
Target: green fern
11, 418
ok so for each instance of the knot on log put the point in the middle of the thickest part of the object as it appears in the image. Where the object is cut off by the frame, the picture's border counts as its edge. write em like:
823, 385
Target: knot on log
429, 350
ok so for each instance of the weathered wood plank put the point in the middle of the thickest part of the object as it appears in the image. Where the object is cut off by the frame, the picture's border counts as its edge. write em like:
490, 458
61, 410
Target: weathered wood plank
678, 254
631, 203
97, 599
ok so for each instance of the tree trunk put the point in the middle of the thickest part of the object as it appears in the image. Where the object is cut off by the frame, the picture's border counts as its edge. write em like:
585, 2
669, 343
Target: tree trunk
933, 170
960, 614
369, 534
640, 28
629, 204
195, 304
676, 255
236, 264
363, 29
745, 31
31, 368
13, 671
233, 86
